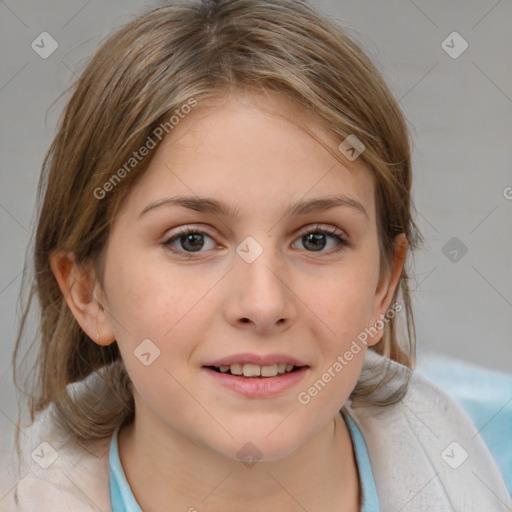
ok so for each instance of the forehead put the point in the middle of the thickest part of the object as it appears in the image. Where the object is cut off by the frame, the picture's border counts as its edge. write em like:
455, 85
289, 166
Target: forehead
253, 151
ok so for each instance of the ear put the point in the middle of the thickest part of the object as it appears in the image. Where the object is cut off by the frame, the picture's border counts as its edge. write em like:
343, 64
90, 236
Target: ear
84, 296
387, 285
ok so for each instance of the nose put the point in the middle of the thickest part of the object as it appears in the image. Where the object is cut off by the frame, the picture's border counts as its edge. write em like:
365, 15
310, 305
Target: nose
259, 297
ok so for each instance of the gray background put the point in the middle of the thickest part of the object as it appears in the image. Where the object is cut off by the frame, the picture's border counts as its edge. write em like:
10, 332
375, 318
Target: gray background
459, 111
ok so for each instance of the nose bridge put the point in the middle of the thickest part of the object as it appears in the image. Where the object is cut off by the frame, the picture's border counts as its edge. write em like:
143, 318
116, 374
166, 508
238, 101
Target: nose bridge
260, 262
262, 295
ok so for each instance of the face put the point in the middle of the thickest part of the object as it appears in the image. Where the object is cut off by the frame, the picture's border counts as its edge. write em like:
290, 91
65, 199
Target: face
251, 279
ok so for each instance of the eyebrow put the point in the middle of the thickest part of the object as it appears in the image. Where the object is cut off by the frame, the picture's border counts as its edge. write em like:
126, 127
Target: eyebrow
210, 205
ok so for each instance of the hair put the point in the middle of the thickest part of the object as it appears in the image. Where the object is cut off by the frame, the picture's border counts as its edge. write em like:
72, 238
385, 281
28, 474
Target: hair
141, 74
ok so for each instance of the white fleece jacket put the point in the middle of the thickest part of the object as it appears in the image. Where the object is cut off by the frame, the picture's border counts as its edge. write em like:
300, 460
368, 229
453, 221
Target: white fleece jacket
425, 453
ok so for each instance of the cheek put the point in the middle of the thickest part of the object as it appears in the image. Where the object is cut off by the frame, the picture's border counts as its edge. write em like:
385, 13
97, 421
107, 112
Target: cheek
345, 306
165, 304
153, 310
345, 302
149, 298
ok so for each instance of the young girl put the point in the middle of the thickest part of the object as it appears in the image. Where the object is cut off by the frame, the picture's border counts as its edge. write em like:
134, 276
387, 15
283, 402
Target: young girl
220, 267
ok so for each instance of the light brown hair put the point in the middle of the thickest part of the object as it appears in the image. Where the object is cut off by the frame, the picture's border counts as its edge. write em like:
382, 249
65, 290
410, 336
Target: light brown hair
136, 79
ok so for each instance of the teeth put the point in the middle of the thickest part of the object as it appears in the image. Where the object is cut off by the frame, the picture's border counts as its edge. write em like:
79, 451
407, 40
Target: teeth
269, 371
236, 369
254, 370
251, 370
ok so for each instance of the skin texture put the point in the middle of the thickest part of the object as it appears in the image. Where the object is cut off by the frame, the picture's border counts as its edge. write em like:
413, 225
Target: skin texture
181, 451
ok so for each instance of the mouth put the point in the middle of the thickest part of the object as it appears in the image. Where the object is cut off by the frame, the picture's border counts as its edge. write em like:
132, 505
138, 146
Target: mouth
255, 381
254, 371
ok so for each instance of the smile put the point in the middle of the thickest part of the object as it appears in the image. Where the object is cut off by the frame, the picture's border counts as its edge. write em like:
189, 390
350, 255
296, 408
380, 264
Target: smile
253, 381
255, 370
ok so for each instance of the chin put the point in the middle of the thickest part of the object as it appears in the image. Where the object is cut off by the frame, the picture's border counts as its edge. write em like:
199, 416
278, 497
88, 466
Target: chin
259, 448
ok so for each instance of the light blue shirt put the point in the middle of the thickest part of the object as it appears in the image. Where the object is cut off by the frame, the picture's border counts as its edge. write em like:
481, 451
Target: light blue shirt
122, 498
370, 501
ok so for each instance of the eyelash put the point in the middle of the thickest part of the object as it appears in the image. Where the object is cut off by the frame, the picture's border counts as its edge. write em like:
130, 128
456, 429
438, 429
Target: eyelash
332, 232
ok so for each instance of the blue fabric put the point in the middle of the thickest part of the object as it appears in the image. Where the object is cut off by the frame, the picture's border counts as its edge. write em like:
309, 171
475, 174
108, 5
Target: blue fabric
123, 500
486, 397
121, 496
370, 500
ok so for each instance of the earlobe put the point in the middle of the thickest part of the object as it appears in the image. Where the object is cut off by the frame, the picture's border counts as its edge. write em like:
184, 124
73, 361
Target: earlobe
83, 295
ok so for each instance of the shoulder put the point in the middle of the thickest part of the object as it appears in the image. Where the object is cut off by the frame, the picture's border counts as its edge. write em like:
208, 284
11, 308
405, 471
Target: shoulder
483, 393
425, 450
486, 397
57, 472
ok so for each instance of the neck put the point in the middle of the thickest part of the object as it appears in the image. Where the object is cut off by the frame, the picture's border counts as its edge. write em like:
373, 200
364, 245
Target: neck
168, 472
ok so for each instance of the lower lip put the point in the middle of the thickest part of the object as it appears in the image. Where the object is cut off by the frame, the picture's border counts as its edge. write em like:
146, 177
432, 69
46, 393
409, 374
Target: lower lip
255, 387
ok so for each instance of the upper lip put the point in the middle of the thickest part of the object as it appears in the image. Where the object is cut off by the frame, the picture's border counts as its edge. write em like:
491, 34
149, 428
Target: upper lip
261, 360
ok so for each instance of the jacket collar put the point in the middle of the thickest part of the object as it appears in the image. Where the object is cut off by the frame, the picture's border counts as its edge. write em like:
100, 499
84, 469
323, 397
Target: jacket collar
416, 448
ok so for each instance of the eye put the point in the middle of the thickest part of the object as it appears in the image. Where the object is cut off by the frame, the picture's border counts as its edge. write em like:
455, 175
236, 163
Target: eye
190, 241
315, 239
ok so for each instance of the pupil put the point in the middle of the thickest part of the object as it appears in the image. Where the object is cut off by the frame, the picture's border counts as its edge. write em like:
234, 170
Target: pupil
192, 237
315, 238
